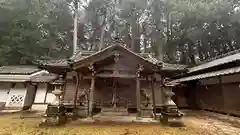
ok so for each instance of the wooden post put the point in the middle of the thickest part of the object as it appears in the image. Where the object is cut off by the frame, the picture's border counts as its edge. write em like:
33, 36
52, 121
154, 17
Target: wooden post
138, 96
45, 98
91, 92
64, 87
222, 93
76, 91
153, 96
91, 96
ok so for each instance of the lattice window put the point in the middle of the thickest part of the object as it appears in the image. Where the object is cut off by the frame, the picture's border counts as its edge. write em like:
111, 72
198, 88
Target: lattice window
16, 100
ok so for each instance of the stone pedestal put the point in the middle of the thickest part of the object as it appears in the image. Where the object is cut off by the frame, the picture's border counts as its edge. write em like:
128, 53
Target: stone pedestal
55, 115
170, 113
147, 111
82, 111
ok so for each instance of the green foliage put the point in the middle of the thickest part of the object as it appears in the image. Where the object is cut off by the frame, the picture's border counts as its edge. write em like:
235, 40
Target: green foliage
181, 31
31, 29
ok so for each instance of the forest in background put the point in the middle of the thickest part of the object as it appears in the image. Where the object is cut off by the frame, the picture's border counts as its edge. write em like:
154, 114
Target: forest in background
176, 31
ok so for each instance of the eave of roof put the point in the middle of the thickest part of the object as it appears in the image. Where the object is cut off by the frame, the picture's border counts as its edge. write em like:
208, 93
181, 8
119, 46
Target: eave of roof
13, 80
174, 67
63, 63
208, 75
44, 77
40, 76
19, 70
216, 62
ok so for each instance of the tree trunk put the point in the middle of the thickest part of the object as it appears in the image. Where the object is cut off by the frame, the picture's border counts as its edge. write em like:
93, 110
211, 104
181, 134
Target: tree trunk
101, 44
75, 27
134, 29
145, 44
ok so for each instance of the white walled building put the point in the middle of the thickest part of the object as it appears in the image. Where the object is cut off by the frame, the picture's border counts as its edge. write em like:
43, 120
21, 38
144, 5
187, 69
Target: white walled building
44, 89
24, 86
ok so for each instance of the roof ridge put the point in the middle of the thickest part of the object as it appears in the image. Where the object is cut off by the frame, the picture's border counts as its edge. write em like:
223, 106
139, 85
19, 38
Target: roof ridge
222, 56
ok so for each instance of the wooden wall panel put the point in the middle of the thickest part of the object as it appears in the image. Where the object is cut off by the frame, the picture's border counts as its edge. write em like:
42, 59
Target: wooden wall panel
231, 98
211, 97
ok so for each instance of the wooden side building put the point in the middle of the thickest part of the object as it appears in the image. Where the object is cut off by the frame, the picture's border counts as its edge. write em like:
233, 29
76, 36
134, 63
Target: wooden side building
212, 86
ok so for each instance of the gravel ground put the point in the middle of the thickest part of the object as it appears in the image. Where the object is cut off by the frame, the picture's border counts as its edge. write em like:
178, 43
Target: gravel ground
197, 123
213, 122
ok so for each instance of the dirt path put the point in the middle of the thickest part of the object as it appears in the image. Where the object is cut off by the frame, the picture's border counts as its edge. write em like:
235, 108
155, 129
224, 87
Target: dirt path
196, 123
213, 123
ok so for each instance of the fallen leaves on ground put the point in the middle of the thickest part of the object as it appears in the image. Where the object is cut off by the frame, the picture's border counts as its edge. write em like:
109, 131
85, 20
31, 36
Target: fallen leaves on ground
14, 125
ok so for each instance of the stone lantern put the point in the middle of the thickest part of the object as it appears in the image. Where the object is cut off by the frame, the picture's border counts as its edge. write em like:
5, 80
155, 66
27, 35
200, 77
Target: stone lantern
58, 85
170, 112
55, 113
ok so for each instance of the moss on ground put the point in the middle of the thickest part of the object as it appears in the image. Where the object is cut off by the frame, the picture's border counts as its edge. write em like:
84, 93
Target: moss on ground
14, 125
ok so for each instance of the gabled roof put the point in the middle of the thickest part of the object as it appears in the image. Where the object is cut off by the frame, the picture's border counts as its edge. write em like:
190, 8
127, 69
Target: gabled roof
100, 55
82, 57
215, 63
19, 69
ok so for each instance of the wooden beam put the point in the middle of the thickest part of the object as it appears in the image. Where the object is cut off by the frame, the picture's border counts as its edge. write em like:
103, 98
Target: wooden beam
153, 96
112, 76
116, 75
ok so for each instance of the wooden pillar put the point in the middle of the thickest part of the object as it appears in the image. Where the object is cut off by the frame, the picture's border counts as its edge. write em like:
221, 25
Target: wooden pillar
45, 98
222, 93
76, 91
91, 92
153, 83
138, 95
64, 86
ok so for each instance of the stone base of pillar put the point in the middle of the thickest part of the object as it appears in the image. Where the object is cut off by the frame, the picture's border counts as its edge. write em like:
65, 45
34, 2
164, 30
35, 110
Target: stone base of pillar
55, 115
171, 115
82, 111
139, 116
147, 113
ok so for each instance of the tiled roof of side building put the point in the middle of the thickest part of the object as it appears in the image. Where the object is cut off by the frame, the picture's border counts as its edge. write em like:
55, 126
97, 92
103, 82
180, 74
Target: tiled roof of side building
216, 62
53, 62
168, 66
222, 72
44, 77
19, 69
63, 62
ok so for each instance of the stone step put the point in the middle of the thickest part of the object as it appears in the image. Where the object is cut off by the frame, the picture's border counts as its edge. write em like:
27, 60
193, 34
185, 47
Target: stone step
147, 113
114, 110
114, 113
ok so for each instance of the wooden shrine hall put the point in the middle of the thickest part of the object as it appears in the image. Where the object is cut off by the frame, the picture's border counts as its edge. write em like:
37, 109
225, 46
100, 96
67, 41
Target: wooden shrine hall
114, 79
